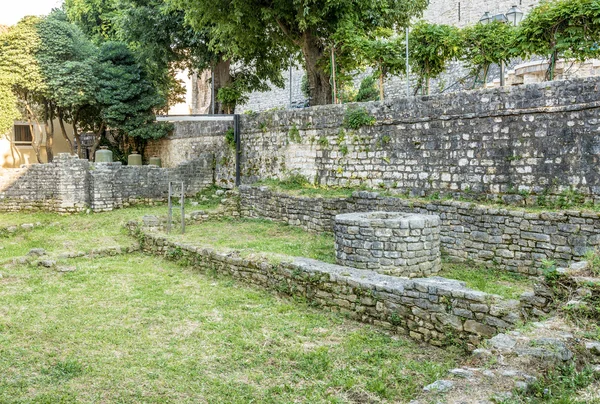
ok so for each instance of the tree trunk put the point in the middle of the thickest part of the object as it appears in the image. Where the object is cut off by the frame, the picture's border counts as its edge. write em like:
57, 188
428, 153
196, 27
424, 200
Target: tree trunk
49, 129
64, 131
201, 92
318, 80
98, 136
381, 92
50, 141
34, 141
222, 77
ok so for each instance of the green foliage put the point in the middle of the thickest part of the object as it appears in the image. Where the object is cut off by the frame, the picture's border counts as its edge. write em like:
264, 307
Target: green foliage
232, 95
8, 107
431, 47
568, 28
293, 181
486, 44
346, 92
230, 138
384, 53
126, 98
304, 87
490, 280
323, 141
557, 386
294, 134
356, 118
593, 259
368, 90
306, 28
95, 17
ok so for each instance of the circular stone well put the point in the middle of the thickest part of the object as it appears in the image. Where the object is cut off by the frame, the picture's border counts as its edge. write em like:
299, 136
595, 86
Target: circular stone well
391, 243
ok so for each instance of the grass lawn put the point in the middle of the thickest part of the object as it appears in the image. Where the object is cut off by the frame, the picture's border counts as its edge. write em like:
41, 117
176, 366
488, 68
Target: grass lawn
250, 236
276, 240
302, 188
506, 284
136, 328
80, 232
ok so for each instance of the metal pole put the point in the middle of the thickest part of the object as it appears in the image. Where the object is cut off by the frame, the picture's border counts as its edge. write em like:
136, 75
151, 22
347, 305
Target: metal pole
407, 67
212, 90
333, 74
238, 150
170, 215
182, 200
291, 84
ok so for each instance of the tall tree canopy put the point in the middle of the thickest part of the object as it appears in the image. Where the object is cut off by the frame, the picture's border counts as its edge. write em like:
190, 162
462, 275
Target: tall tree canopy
568, 28
20, 74
67, 59
431, 47
486, 44
308, 26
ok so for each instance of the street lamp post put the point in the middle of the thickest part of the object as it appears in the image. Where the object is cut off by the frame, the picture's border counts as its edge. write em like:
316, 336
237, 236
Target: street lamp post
513, 16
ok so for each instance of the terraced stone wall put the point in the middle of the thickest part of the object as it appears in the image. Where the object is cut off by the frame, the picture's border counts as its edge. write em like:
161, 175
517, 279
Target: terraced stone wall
516, 240
520, 143
515, 143
434, 310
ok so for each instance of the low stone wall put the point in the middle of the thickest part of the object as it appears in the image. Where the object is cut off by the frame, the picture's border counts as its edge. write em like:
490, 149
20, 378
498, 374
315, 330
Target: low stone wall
514, 239
434, 310
60, 186
70, 184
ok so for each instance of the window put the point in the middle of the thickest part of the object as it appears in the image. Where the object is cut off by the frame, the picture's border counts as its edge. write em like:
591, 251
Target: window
23, 135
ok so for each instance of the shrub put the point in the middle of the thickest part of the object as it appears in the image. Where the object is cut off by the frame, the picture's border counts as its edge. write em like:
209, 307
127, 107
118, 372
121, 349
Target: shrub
230, 138
368, 90
356, 118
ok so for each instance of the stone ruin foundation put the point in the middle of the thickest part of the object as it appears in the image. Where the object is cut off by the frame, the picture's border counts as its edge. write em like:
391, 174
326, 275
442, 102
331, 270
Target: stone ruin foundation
391, 243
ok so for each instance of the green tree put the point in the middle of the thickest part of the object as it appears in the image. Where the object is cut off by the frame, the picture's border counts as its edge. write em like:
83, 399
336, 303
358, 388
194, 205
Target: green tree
20, 74
95, 17
368, 90
309, 26
568, 28
163, 43
8, 108
431, 47
126, 99
386, 55
486, 44
66, 59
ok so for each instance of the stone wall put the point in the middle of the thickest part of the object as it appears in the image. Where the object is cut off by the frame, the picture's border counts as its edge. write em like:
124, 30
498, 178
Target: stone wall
60, 186
71, 185
198, 143
517, 240
540, 139
462, 13
434, 310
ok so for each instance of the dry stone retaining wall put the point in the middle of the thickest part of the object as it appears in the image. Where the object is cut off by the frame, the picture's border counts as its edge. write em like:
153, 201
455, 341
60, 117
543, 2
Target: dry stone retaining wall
542, 139
515, 239
435, 310
518, 144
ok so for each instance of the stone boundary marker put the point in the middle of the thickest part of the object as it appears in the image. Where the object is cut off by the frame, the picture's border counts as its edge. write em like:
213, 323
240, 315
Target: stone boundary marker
392, 243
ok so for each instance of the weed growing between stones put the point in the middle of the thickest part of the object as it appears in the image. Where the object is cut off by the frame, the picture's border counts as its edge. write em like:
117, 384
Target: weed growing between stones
294, 134
558, 386
356, 118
